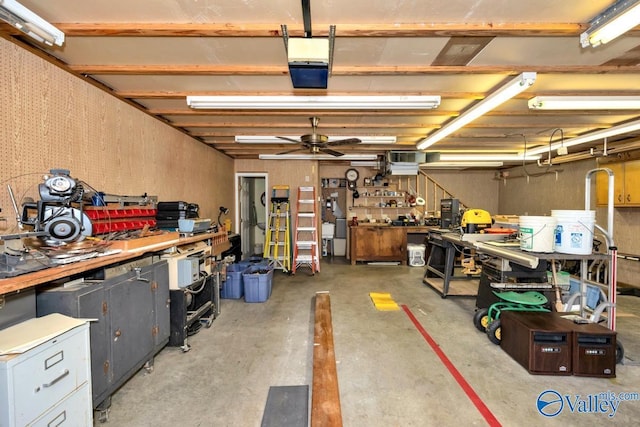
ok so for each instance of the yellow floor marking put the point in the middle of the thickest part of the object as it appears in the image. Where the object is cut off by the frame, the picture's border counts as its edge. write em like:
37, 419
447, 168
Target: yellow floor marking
383, 301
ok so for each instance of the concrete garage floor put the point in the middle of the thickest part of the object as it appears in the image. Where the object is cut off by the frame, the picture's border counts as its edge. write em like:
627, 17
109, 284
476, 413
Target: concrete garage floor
388, 374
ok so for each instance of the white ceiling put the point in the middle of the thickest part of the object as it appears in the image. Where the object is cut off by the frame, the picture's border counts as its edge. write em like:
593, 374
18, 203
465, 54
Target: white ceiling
154, 53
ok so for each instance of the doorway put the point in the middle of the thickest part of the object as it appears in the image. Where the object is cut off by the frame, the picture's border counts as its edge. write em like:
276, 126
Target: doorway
251, 211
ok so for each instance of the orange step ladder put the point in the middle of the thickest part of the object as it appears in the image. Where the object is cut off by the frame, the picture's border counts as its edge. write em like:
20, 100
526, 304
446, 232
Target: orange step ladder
305, 246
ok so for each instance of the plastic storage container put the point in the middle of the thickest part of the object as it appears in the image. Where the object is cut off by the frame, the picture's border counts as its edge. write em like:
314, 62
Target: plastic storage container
574, 231
416, 254
254, 262
233, 287
537, 233
257, 283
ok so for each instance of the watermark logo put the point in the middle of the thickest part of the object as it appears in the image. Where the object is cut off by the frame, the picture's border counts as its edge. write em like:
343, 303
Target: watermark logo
551, 403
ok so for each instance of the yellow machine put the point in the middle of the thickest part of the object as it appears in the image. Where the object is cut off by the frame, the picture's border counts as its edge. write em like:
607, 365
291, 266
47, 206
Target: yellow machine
475, 220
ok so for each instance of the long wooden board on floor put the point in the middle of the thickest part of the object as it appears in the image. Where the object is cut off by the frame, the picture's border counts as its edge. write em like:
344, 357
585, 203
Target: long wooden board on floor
325, 394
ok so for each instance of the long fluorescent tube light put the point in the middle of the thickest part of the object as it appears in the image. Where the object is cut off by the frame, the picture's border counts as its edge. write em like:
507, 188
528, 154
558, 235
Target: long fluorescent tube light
314, 102
508, 91
589, 137
459, 165
365, 163
268, 139
487, 157
585, 103
616, 20
29, 23
317, 157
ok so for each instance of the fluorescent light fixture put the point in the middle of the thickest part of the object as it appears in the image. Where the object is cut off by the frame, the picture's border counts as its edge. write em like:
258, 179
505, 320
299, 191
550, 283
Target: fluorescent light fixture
508, 91
268, 139
589, 137
403, 168
265, 139
459, 165
29, 23
382, 102
585, 103
486, 157
317, 157
616, 20
365, 163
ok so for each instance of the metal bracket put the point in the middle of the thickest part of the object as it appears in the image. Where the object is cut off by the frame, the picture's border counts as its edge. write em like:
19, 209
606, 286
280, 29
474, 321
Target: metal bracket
138, 271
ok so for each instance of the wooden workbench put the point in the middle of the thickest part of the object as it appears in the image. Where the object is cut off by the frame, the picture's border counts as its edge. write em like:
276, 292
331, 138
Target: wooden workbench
219, 243
382, 242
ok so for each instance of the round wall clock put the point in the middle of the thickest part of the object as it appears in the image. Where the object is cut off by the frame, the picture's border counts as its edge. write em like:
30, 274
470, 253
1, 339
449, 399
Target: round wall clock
351, 175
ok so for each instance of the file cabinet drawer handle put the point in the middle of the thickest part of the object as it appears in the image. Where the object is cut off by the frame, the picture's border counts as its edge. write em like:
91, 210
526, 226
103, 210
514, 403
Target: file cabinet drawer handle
55, 380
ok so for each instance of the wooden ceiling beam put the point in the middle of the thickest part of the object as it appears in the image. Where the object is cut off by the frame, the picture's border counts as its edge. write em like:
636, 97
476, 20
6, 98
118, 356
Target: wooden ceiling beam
305, 126
444, 95
368, 113
358, 127
300, 113
517, 127
346, 70
166, 29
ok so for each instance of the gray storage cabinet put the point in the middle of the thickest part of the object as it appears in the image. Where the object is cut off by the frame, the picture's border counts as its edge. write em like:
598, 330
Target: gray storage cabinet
132, 312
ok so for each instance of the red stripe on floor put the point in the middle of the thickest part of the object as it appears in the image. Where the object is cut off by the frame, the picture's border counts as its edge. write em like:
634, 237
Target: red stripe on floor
486, 413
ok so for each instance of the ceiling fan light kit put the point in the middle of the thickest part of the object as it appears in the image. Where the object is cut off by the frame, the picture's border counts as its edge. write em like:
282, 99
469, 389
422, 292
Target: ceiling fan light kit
364, 102
30, 23
504, 93
616, 20
317, 143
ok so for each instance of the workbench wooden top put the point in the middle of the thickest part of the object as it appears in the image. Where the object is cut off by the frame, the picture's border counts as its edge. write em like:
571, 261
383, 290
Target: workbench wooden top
12, 284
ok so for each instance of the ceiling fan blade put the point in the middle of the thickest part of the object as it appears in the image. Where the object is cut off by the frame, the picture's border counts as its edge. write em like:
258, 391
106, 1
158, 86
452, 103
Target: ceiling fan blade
348, 141
294, 150
297, 141
330, 151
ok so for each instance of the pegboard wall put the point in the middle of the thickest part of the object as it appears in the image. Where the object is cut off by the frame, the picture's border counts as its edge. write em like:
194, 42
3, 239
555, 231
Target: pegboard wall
52, 119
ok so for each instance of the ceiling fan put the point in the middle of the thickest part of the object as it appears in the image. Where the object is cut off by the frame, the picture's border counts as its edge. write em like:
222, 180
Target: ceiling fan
317, 143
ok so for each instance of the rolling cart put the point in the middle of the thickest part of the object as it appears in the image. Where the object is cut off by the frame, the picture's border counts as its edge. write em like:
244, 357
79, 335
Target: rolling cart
609, 303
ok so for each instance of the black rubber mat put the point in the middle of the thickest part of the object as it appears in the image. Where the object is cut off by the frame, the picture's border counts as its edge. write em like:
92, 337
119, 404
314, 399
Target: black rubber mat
287, 406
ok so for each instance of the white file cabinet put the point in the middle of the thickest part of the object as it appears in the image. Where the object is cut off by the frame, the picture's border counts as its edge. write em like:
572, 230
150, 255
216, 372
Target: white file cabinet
45, 377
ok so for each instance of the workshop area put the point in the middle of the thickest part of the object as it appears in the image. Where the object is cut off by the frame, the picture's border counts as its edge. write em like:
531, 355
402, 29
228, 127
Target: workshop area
294, 213
388, 374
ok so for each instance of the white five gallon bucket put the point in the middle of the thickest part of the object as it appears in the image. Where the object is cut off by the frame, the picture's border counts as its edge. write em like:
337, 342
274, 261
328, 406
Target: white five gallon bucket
574, 231
537, 233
